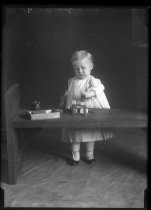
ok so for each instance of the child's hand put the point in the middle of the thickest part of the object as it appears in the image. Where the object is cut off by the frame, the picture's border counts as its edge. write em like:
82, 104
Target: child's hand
89, 94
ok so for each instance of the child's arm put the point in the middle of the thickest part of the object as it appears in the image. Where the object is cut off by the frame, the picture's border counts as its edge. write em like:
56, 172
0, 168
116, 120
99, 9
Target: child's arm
95, 88
89, 94
63, 100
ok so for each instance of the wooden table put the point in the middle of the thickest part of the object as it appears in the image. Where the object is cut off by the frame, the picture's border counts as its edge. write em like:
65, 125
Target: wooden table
95, 118
18, 125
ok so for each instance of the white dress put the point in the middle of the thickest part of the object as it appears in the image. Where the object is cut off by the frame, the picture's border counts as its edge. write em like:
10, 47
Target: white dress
75, 88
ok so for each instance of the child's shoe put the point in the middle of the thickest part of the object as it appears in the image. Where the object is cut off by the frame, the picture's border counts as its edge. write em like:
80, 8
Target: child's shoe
74, 163
91, 161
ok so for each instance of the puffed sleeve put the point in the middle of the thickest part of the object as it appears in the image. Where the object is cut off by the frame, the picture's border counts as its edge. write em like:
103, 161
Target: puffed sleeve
96, 86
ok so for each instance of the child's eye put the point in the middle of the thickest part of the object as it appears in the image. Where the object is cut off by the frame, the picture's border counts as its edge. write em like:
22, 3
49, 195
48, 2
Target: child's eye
77, 69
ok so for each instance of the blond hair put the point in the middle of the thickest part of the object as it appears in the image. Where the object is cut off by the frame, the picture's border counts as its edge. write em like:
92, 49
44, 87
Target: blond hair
80, 55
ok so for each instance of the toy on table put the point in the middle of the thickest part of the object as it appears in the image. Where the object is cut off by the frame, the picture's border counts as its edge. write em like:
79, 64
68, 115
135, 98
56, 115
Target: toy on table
39, 113
79, 108
36, 105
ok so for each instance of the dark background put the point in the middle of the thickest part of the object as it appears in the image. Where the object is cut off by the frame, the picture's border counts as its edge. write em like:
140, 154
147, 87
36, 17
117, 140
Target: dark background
38, 44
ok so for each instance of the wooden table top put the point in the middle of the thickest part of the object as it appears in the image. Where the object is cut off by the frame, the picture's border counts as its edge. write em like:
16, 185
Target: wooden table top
95, 118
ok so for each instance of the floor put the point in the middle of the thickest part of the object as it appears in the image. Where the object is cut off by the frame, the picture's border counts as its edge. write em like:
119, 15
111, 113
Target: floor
117, 180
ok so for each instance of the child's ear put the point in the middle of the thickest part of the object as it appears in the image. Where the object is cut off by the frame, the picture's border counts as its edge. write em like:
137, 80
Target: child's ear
91, 66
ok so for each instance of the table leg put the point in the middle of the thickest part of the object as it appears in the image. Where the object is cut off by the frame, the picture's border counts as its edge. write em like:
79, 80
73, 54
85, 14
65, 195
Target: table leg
17, 141
13, 155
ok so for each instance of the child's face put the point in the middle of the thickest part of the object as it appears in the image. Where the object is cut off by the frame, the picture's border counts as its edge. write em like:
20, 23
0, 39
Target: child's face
82, 68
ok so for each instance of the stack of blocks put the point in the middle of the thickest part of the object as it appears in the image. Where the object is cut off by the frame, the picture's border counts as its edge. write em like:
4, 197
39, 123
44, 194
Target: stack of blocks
79, 108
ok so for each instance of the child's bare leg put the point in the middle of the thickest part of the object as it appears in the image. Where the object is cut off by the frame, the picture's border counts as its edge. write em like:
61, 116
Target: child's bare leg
90, 152
75, 151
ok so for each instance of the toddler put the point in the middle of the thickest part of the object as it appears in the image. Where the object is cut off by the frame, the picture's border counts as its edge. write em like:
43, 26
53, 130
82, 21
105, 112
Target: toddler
83, 83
